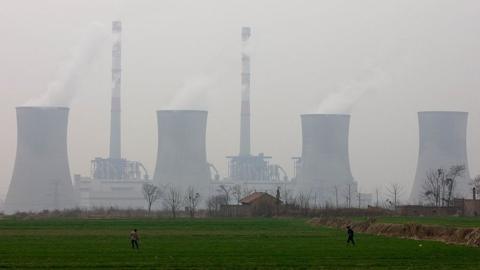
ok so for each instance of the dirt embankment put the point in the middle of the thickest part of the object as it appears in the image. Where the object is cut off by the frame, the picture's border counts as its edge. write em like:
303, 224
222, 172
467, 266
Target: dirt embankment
451, 235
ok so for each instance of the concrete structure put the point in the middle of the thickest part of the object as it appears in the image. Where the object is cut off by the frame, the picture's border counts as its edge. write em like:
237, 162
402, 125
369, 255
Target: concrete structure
246, 167
245, 107
443, 143
181, 155
114, 181
461, 207
109, 193
115, 121
324, 167
469, 207
424, 211
41, 176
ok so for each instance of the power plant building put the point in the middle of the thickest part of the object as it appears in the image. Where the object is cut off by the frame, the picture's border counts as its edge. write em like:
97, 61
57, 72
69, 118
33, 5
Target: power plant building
246, 168
442, 144
41, 177
113, 181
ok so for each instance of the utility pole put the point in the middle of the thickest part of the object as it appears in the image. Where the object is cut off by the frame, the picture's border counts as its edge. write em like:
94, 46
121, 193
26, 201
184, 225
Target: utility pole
336, 197
55, 194
349, 196
359, 199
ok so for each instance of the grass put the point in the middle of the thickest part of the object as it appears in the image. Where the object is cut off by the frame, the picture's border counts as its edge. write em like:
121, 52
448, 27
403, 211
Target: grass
213, 244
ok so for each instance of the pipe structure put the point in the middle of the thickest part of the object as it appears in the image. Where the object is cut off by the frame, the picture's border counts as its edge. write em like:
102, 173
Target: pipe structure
115, 121
245, 106
442, 144
41, 175
181, 155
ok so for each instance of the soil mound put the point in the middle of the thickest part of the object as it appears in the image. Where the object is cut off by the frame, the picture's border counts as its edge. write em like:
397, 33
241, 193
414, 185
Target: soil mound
451, 235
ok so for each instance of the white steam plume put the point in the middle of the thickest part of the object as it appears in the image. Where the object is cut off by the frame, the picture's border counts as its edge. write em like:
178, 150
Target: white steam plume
61, 91
348, 94
193, 95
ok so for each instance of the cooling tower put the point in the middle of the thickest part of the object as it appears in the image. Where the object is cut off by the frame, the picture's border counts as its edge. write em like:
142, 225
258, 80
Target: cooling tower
41, 176
443, 143
181, 155
325, 162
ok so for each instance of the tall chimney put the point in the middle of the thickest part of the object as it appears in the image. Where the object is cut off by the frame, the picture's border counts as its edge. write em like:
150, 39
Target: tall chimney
245, 107
115, 121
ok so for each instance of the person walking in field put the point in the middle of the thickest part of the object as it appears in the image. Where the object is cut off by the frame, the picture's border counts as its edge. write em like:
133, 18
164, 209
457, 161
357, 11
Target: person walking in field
350, 236
134, 238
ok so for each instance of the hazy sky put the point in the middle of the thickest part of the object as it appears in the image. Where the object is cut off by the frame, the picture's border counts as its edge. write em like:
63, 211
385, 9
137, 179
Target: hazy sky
412, 55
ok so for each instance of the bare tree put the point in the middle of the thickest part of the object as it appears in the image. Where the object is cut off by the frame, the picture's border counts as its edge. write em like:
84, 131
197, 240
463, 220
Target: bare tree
336, 197
286, 196
237, 193
225, 191
172, 200
439, 185
377, 194
277, 201
314, 200
246, 190
192, 199
394, 191
432, 187
151, 193
451, 179
348, 195
359, 197
214, 203
303, 202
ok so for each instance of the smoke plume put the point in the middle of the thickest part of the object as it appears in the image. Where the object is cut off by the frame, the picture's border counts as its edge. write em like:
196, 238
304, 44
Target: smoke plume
193, 95
348, 94
62, 90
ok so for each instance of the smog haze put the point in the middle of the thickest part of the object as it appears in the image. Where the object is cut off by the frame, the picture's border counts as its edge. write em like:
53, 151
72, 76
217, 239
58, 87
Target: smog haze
381, 61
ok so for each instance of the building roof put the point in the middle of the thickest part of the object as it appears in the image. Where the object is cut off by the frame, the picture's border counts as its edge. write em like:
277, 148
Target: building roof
255, 196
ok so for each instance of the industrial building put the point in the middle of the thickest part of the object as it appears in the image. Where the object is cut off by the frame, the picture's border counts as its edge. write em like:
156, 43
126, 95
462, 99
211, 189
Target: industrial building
114, 181
442, 144
323, 170
109, 193
256, 171
41, 175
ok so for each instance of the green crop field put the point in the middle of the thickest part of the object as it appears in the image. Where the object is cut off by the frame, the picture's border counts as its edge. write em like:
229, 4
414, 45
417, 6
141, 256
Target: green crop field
214, 244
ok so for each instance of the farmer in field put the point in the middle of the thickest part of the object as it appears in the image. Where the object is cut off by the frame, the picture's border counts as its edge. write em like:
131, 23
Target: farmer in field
350, 236
134, 238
